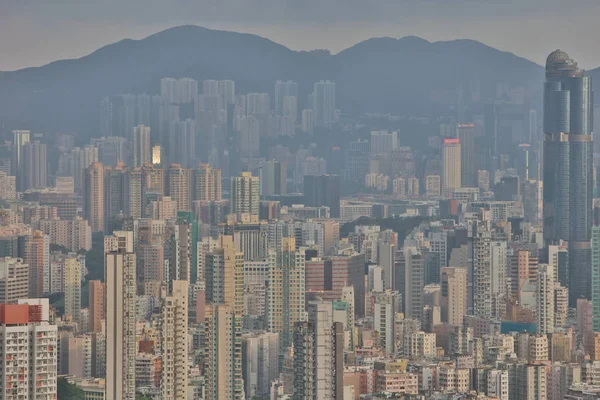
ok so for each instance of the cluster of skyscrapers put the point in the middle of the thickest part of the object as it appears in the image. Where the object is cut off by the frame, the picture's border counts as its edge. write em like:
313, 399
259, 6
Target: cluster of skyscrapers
207, 246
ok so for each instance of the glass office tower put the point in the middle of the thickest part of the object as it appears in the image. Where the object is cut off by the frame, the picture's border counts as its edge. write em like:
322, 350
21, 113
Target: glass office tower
568, 116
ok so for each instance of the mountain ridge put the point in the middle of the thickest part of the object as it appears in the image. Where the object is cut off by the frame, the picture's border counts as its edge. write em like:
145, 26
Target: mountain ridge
385, 74
161, 34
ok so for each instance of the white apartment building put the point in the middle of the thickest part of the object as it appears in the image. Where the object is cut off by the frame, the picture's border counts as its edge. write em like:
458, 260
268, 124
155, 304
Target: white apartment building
28, 344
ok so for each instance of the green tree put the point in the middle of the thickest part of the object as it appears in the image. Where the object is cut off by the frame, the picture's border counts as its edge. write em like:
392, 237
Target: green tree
57, 300
69, 391
57, 247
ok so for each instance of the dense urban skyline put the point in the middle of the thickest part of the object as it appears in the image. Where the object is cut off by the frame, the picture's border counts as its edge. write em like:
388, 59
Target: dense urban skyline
208, 215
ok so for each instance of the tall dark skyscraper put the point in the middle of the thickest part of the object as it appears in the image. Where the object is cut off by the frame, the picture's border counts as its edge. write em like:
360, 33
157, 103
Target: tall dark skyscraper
568, 120
468, 170
323, 190
488, 143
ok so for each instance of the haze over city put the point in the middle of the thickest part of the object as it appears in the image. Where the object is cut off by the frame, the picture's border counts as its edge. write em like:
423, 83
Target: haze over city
299, 200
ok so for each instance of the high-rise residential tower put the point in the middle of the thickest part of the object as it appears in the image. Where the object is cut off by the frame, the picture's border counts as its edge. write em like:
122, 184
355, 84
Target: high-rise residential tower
75, 164
260, 362
32, 372
568, 126
245, 196
284, 89
482, 274
290, 109
33, 166
414, 280
468, 170
385, 307
72, 290
224, 292
14, 282
94, 196
451, 165
224, 379
499, 272
174, 337
96, 308
258, 103
133, 193
308, 121
120, 281
545, 299
286, 296
179, 186
207, 181
181, 251
318, 354
383, 142
37, 256
273, 176
324, 103
112, 149
182, 143
141, 146
20, 138
454, 294
114, 194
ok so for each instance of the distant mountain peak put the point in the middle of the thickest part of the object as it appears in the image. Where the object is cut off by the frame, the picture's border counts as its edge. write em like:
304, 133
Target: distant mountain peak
413, 39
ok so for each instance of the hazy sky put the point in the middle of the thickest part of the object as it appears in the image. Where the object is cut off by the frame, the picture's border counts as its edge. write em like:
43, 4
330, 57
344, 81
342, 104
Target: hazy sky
34, 32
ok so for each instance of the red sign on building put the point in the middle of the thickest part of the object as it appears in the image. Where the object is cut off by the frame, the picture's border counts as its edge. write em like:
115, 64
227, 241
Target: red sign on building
451, 141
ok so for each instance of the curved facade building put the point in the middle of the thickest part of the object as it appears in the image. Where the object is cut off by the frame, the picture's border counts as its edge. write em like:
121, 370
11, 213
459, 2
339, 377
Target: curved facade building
568, 116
